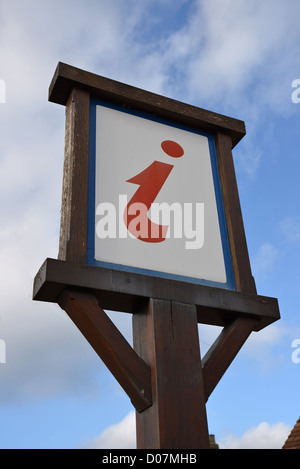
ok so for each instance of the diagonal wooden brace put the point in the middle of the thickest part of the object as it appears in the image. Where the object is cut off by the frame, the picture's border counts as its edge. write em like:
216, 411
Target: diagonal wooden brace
132, 373
224, 350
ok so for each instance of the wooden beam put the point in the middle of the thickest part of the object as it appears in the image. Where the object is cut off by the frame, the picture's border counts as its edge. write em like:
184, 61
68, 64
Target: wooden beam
223, 351
132, 373
165, 335
73, 226
235, 226
67, 77
128, 292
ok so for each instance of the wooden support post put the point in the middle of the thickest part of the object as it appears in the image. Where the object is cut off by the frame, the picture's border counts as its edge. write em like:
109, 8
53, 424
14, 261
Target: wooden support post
73, 226
237, 239
128, 368
165, 335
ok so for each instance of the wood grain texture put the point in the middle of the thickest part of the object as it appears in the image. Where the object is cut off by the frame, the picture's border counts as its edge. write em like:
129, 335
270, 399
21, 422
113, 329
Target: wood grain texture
132, 373
165, 335
128, 292
73, 226
67, 77
235, 225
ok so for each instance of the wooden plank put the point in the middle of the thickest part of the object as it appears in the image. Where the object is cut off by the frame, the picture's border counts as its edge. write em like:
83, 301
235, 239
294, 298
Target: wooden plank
127, 292
73, 226
221, 354
132, 373
235, 226
67, 77
166, 337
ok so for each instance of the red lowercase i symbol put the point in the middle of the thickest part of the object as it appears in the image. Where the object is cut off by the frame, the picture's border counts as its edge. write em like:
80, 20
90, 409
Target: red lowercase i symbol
150, 182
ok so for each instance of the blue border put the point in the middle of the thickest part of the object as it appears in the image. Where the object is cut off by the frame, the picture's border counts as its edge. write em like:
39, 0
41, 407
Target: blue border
230, 284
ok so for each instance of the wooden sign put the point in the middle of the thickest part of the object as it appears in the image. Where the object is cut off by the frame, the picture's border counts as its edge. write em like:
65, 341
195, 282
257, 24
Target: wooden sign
151, 225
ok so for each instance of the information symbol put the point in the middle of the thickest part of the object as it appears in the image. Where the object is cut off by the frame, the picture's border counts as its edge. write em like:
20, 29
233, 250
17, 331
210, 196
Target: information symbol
150, 182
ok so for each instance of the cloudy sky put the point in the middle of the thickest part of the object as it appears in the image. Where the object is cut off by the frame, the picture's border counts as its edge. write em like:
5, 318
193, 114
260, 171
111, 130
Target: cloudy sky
235, 57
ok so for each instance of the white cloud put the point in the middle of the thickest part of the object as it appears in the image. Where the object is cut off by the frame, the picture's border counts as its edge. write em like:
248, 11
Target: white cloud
223, 57
46, 354
267, 337
233, 44
263, 348
122, 435
207, 335
271, 348
290, 228
264, 436
100, 36
248, 162
264, 261
118, 436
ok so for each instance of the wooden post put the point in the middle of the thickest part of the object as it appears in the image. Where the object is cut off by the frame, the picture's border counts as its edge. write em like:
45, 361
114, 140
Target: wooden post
165, 336
73, 226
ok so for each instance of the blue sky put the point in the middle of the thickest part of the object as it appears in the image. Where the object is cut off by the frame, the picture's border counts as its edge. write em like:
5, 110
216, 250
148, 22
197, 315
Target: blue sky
234, 58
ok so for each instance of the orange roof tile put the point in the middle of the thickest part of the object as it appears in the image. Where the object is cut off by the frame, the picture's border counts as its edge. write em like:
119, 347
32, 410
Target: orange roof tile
293, 440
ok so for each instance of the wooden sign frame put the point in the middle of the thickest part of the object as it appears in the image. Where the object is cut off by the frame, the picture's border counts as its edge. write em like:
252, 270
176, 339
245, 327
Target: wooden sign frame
165, 311
226, 131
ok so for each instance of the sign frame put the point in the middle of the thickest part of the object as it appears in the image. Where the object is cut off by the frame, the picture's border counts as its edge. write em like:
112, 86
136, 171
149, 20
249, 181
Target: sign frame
163, 370
75, 88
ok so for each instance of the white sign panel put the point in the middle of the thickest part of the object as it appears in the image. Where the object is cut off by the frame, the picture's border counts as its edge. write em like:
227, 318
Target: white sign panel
155, 206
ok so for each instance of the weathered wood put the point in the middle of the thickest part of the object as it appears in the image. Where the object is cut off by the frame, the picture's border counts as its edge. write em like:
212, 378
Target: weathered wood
235, 226
67, 77
73, 226
165, 335
127, 292
224, 350
132, 373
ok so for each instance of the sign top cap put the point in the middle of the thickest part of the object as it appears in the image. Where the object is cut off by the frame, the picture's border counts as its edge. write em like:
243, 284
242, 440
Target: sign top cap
67, 77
